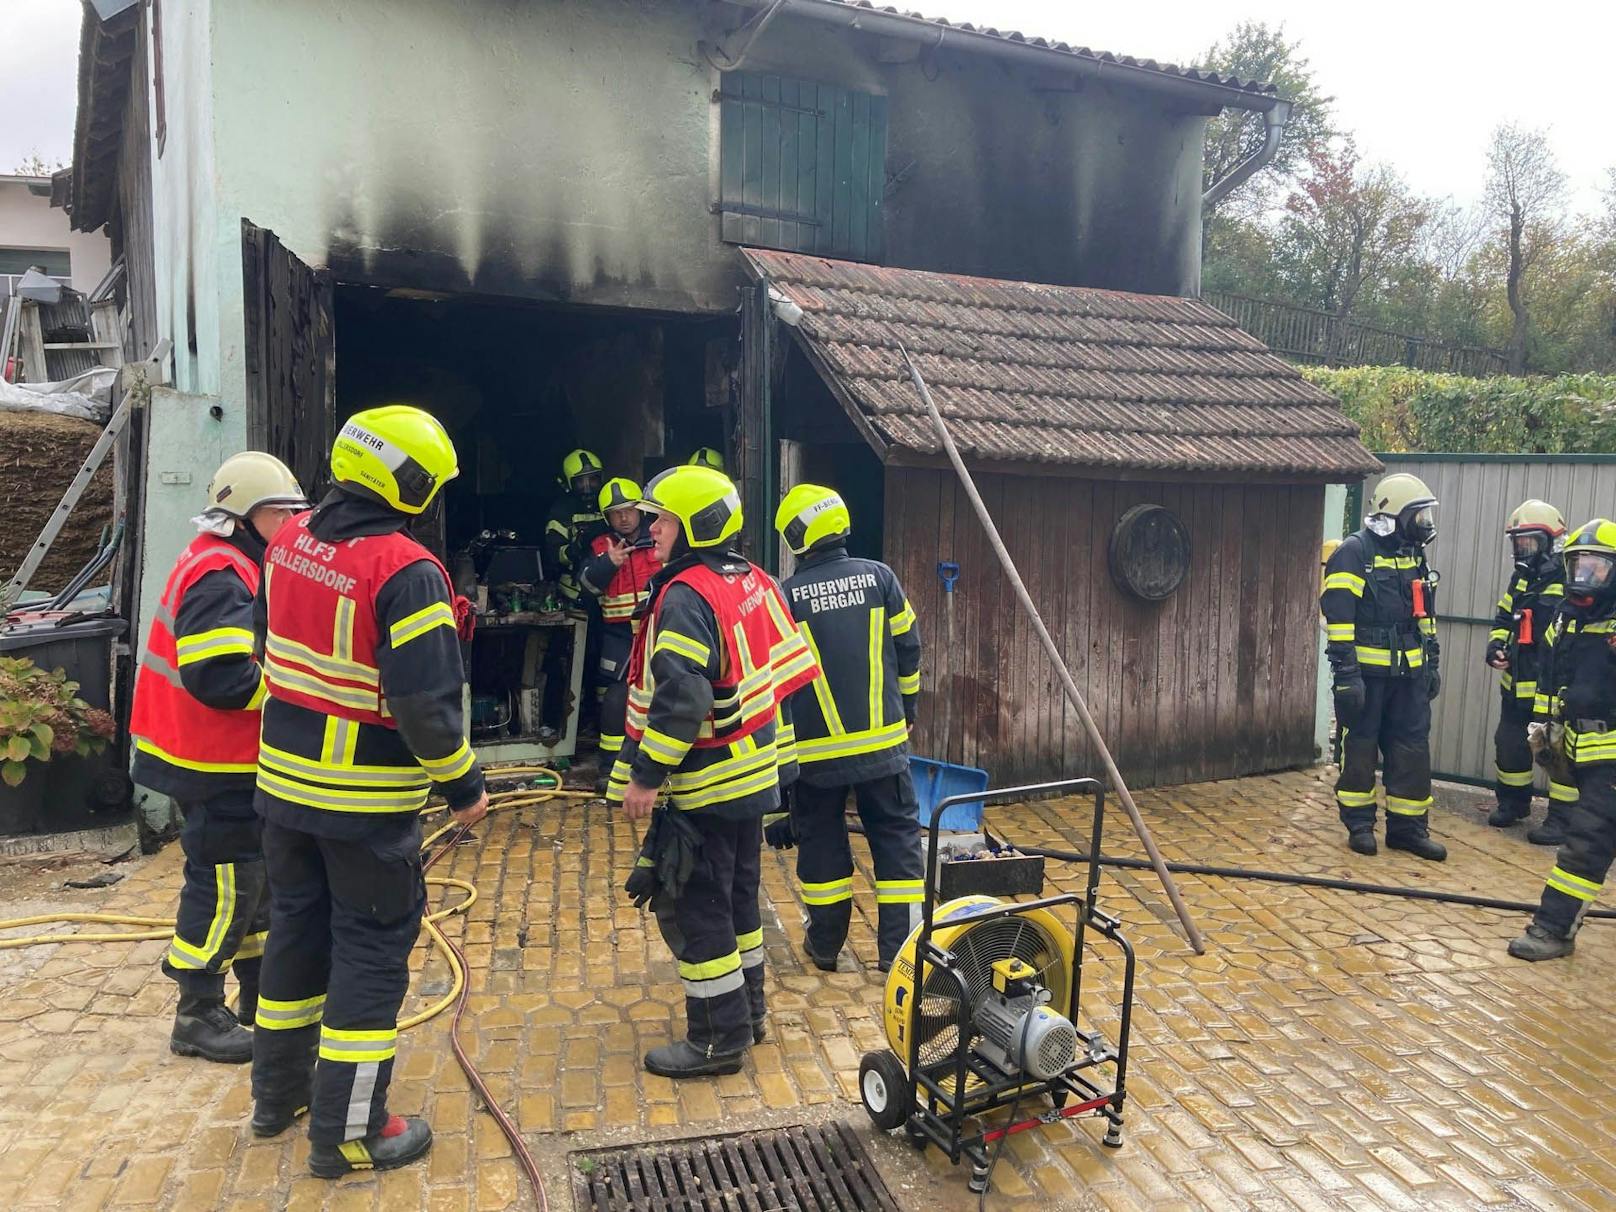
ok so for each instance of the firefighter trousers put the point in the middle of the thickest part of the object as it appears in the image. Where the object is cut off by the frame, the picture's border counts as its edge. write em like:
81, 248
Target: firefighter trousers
1394, 727
1514, 761
223, 916
889, 812
616, 643
715, 931
1585, 856
344, 918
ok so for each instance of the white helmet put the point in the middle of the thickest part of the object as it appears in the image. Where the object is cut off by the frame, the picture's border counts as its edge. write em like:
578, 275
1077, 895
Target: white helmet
252, 478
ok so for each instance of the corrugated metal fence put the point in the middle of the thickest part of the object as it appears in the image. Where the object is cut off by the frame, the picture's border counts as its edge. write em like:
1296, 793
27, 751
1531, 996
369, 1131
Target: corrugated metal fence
1477, 493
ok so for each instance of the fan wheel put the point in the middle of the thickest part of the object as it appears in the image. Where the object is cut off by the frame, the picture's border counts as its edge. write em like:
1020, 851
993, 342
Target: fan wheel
884, 1089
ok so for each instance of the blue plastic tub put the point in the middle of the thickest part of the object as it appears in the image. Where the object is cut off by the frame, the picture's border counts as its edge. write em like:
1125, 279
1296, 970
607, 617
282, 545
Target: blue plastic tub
935, 781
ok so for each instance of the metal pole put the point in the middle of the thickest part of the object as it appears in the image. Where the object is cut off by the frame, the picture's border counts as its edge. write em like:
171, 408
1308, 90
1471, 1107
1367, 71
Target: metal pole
1073, 694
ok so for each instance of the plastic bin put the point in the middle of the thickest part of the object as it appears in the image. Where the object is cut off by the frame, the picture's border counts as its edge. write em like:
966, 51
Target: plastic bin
69, 792
935, 781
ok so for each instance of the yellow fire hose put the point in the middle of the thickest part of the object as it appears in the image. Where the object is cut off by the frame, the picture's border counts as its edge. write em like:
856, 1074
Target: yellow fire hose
160, 929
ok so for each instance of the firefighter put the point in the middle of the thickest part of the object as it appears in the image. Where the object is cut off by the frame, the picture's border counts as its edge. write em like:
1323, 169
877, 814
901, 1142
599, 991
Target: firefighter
1380, 624
706, 456
363, 722
852, 729
195, 729
1574, 718
715, 655
618, 573
1536, 532
570, 530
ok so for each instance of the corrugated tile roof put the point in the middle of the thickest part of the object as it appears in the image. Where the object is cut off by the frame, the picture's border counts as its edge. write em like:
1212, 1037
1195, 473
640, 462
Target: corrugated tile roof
1255, 87
1062, 374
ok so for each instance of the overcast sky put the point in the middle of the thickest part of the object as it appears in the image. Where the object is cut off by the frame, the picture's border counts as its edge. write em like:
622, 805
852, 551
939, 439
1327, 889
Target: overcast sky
1420, 82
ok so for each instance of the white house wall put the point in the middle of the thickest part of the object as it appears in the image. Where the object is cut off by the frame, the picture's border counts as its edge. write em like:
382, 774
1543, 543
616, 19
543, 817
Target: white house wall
27, 220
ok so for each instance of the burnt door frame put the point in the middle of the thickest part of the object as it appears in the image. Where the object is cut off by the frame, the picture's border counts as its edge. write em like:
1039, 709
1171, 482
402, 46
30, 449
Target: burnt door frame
291, 364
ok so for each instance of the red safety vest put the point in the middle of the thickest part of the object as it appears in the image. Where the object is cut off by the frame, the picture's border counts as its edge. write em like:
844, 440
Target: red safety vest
320, 652
167, 721
763, 658
629, 584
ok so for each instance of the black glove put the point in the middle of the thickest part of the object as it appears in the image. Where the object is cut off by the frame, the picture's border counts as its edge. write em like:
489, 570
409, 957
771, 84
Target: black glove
642, 881
1498, 654
1433, 685
1349, 698
678, 849
778, 830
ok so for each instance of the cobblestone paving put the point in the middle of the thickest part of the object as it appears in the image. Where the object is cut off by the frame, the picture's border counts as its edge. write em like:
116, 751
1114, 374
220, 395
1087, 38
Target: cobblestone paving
1329, 1051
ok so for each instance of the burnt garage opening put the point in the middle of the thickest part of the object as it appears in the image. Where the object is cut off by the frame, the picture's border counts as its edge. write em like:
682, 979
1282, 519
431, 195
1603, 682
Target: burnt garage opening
518, 385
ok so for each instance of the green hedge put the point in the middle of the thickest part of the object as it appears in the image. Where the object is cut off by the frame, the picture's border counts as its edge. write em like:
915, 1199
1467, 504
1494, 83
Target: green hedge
1412, 410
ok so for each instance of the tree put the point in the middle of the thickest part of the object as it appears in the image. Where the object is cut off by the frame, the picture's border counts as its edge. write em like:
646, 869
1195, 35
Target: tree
1257, 51
1347, 228
1525, 197
35, 165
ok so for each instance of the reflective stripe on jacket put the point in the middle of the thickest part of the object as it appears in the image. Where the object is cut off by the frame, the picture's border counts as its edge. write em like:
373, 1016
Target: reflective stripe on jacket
715, 658
184, 746
852, 723
1369, 608
330, 739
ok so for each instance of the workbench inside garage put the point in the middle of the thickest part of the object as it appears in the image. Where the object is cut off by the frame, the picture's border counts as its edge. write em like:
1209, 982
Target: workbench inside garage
507, 675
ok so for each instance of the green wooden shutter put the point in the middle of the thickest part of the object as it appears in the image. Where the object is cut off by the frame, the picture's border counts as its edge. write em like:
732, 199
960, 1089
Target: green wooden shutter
802, 166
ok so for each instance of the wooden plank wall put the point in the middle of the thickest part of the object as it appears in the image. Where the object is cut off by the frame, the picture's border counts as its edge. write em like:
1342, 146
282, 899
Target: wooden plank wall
290, 357
1215, 682
802, 166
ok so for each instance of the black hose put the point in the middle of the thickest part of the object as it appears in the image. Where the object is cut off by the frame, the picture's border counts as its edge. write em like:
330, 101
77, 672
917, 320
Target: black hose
1304, 881
1284, 877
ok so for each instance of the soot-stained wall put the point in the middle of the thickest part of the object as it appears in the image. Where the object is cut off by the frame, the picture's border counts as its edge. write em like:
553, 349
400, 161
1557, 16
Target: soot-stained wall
567, 150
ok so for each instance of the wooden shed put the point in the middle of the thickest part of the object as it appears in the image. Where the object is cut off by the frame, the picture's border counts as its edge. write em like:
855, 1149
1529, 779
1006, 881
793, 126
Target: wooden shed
1073, 407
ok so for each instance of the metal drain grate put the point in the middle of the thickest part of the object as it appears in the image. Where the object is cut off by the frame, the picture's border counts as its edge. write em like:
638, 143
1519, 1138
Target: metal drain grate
797, 1169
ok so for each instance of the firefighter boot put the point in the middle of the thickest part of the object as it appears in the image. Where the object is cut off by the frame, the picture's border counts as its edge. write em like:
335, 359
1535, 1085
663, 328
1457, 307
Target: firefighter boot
399, 1142
1504, 815
1552, 832
1420, 845
1362, 841
1541, 944
283, 1088
685, 1059
203, 1027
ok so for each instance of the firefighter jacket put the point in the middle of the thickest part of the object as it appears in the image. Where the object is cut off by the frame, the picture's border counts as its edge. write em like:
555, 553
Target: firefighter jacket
620, 591
852, 723
364, 717
620, 588
1524, 614
1379, 605
199, 689
570, 531
1577, 682
715, 657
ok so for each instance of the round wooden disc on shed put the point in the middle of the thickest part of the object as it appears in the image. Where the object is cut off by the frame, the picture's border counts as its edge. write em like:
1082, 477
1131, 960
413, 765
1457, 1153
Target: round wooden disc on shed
1150, 552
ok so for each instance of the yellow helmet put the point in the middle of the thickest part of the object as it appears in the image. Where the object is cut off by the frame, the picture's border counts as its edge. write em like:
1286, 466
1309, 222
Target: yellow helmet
1536, 515
618, 492
1406, 499
252, 478
707, 457
705, 501
1591, 560
580, 463
810, 515
396, 454
1536, 530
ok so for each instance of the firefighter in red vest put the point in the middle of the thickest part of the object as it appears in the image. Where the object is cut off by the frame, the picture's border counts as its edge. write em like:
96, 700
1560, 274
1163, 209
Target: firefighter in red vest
195, 728
715, 656
363, 722
618, 573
